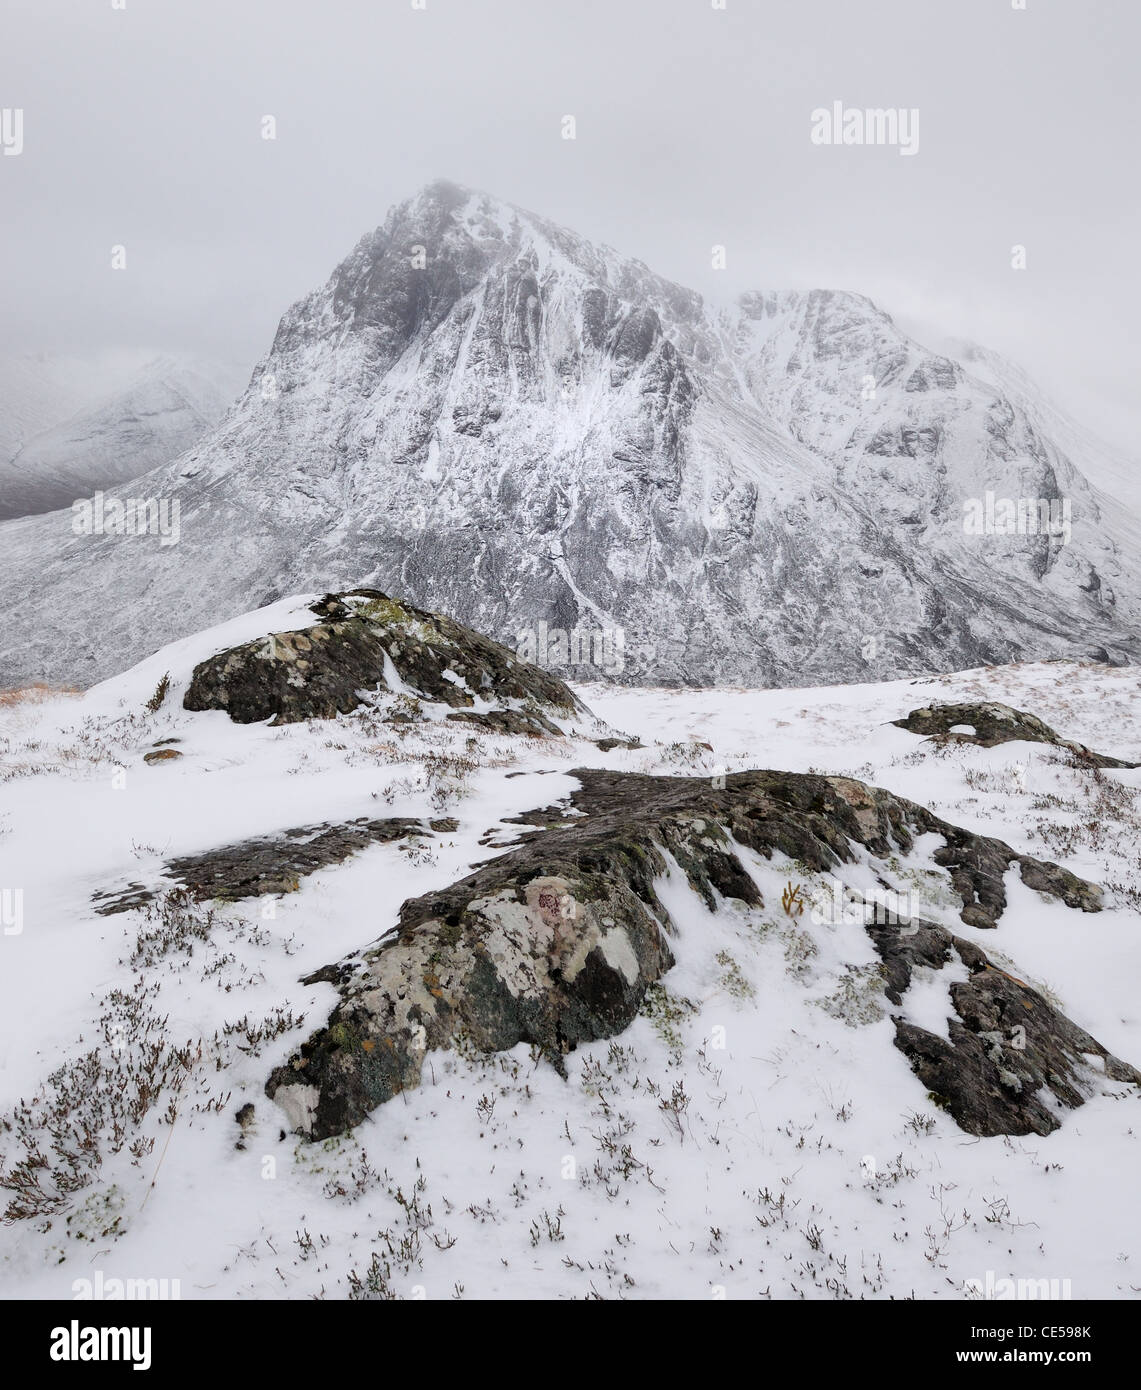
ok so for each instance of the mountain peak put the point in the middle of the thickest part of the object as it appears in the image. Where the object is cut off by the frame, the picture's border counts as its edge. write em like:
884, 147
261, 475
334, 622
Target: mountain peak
491, 414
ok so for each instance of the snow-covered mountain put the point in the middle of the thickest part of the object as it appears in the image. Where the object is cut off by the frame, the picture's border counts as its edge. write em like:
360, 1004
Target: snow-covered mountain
486, 414
162, 409
41, 389
1106, 466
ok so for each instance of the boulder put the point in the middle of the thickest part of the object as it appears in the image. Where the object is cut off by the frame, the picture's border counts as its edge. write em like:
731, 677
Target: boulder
993, 723
161, 755
364, 643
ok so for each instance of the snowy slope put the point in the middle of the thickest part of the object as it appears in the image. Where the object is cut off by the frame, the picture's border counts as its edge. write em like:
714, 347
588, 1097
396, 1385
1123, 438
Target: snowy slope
1108, 468
166, 406
39, 390
484, 413
756, 1134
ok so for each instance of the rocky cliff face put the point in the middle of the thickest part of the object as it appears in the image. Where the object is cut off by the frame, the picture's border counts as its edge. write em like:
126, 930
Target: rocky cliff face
485, 413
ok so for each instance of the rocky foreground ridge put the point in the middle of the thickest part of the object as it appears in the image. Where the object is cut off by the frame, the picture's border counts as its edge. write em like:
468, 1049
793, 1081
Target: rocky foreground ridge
561, 939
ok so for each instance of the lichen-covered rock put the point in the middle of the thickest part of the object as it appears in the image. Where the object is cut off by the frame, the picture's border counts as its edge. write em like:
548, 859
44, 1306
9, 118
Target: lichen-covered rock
556, 942
554, 960
364, 640
992, 723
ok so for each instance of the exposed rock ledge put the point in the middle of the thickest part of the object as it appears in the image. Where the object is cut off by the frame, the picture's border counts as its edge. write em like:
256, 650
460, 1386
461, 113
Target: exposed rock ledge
268, 864
1010, 1050
556, 942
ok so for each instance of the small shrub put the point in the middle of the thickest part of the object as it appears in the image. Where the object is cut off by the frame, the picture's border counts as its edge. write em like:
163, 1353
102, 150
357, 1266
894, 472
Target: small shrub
154, 704
792, 899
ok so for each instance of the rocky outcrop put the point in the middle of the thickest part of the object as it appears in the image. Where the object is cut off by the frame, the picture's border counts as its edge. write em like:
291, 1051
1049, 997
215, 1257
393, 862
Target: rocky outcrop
555, 960
556, 942
367, 642
1010, 1049
270, 863
989, 723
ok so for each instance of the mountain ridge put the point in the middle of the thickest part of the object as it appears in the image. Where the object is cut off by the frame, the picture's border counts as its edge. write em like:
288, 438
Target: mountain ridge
490, 416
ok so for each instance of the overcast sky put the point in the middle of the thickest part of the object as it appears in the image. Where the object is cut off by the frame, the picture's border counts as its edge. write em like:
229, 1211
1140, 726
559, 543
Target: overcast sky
142, 126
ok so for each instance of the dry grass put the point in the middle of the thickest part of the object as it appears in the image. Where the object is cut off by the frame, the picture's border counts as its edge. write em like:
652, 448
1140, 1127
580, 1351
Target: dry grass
34, 694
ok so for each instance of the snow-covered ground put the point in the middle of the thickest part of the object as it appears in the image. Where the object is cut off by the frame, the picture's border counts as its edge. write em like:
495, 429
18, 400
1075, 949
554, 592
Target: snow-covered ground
755, 1133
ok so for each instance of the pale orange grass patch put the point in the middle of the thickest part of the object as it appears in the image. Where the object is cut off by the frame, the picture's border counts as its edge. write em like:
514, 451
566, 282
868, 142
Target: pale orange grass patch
34, 694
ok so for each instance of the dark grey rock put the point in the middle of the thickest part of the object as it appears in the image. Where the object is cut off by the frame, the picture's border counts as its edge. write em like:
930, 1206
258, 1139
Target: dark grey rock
267, 864
996, 723
1008, 1045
